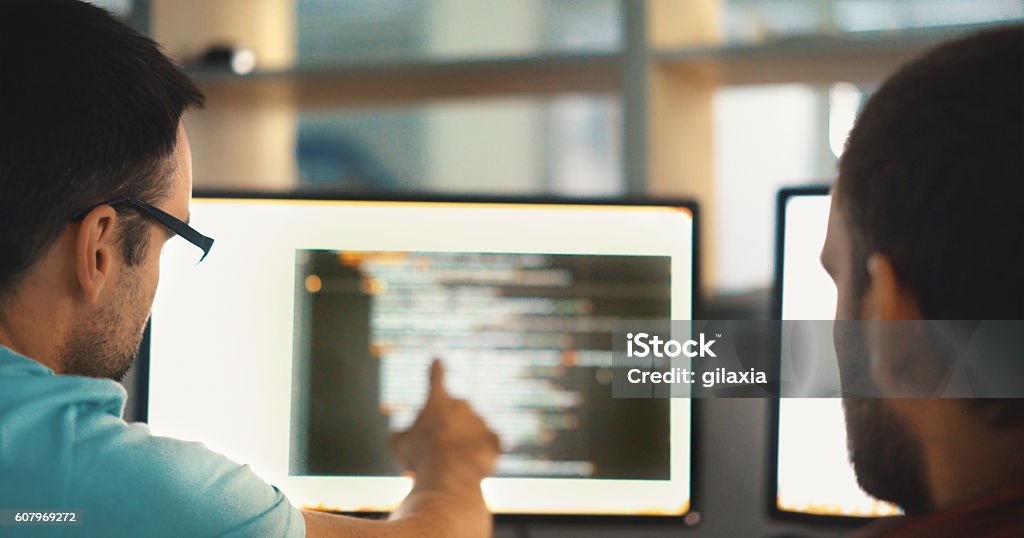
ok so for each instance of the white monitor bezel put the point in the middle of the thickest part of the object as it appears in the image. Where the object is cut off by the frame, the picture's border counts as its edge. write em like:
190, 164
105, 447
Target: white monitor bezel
604, 501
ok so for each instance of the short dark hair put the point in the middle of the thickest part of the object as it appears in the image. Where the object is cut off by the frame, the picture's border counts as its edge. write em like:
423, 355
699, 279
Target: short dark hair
89, 112
933, 177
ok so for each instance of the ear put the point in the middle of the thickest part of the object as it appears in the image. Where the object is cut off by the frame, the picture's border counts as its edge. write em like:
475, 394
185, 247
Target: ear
95, 249
895, 337
886, 297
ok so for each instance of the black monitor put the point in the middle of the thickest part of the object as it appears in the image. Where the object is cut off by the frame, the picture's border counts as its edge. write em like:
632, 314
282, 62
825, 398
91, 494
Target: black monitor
812, 474
303, 341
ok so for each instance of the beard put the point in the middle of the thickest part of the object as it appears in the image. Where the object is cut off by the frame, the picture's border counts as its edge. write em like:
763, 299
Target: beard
107, 346
886, 457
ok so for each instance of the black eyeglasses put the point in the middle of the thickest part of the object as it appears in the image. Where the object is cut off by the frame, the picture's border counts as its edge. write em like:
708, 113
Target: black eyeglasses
171, 222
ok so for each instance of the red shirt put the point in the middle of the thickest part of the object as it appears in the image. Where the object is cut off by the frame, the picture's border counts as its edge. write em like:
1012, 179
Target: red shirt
999, 514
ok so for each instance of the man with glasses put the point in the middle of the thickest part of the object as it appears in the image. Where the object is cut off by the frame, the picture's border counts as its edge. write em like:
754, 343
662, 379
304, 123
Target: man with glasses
95, 177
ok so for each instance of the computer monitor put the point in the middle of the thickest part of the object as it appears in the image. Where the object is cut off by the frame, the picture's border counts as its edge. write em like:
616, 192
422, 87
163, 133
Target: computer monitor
813, 474
304, 339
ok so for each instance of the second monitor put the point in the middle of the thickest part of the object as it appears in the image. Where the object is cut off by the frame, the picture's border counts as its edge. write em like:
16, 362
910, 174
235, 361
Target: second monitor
813, 473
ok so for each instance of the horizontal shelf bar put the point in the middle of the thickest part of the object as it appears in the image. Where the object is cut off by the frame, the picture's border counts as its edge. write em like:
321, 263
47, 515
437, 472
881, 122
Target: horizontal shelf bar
814, 59
856, 57
391, 82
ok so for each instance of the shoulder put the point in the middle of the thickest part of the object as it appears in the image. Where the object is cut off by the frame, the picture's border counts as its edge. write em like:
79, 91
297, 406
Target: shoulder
66, 447
129, 477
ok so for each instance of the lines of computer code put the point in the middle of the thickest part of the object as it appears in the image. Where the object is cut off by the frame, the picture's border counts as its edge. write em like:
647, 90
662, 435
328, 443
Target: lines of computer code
526, 338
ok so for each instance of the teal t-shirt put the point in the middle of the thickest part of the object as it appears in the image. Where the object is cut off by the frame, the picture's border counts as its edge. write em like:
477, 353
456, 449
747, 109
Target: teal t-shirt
64, 446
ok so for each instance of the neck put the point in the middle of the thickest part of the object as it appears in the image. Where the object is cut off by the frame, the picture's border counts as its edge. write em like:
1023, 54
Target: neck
966, 458
33, 328
37, 318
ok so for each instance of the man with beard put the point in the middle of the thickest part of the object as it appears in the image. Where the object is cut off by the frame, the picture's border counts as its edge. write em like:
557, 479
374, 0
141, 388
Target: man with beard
926, 224
95, 176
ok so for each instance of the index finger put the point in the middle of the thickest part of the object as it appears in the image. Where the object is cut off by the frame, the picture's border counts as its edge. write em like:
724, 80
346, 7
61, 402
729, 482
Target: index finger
437, 390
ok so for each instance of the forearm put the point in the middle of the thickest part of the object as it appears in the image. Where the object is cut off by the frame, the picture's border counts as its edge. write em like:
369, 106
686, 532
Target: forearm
453, 510
433, 508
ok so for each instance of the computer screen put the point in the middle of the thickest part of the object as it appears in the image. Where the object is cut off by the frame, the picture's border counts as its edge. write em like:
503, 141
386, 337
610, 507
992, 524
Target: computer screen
303, 342
814, 475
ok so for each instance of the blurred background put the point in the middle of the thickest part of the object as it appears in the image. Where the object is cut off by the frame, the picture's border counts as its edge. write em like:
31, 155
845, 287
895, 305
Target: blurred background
720, 100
